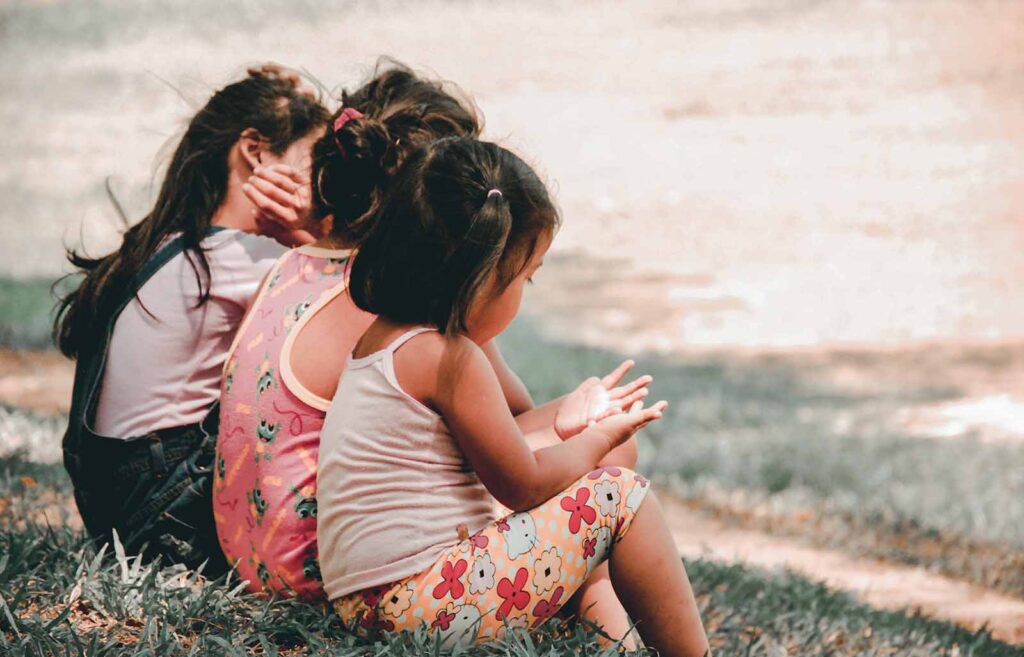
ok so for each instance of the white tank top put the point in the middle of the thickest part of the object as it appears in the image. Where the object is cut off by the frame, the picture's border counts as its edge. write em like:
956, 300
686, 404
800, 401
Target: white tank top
392, 484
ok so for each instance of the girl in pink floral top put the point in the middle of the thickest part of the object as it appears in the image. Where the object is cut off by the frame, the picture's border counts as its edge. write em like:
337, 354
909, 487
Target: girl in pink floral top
286, 358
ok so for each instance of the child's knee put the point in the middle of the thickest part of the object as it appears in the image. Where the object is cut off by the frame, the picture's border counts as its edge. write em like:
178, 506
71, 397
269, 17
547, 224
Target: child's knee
618, 492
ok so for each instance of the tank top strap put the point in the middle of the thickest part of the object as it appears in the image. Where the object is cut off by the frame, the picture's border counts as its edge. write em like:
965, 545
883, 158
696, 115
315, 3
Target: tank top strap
405, 337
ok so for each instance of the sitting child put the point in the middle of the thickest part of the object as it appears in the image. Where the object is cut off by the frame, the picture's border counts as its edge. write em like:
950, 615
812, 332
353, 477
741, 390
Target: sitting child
419, 436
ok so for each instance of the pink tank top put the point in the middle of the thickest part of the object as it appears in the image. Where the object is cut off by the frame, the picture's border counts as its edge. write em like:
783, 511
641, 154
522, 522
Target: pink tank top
393, 486
264, 495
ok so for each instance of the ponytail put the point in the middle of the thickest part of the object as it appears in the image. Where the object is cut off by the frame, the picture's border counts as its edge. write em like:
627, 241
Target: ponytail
388, 118
461, 219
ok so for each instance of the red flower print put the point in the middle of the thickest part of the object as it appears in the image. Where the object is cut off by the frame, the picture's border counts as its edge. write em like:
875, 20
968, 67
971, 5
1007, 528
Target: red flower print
373, 621
589, 547
450, 584
611, 470
443, 619
502, 525
371, 596
546, 609
579, 510
513, 593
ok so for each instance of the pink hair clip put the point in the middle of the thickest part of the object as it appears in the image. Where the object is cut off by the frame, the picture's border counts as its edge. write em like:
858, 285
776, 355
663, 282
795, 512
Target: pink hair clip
347, 114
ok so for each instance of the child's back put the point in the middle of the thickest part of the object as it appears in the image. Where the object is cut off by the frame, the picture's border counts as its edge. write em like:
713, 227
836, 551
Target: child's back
399, 484
145, 388
264, 499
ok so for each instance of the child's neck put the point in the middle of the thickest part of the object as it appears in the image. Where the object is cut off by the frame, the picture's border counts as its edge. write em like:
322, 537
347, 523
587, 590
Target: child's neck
333, 243
379, 335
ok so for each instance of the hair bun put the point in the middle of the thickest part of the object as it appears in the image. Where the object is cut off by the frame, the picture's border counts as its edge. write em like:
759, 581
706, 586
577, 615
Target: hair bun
365, 144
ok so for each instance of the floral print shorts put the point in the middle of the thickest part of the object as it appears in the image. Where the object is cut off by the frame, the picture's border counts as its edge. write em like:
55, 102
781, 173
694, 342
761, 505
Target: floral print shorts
515, 573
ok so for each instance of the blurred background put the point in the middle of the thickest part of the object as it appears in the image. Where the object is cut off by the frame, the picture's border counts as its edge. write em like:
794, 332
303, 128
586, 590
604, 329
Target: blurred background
805, 218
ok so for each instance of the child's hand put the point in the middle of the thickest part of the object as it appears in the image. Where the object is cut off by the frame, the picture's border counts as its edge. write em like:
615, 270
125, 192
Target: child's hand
281, 195
618, 428
596, 399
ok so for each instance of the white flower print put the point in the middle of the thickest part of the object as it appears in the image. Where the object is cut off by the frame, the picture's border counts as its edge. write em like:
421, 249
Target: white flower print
606, 494
397, 601
513, 624
481, 574
547, 570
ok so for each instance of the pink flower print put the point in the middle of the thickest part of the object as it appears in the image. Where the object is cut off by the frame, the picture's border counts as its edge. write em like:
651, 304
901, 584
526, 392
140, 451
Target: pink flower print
545, 609
640, 479
478, 541
443, 619
503, 525
589, 547
612, 471
578, 509
513, 594
450, 584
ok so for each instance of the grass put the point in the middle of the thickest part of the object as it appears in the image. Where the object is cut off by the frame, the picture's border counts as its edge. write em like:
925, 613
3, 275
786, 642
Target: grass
59, 595
26, 309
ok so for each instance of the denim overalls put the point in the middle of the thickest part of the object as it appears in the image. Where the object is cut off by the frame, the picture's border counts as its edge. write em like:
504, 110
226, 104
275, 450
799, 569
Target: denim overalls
155, 490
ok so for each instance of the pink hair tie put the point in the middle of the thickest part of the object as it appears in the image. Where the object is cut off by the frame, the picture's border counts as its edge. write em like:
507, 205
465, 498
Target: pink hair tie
346, 115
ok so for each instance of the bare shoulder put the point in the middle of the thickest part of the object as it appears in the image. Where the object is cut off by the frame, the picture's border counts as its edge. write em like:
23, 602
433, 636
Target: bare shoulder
429, 363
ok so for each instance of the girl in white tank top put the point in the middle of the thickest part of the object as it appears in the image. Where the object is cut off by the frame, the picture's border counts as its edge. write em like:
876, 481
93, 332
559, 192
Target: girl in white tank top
419, 433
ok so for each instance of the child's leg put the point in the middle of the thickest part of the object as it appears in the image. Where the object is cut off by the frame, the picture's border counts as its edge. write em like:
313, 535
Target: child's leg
651, 581
596, 600
521, 570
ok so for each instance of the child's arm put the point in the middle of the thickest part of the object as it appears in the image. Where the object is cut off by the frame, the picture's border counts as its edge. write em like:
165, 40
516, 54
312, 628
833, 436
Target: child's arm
590, 401
516, 393
467, 394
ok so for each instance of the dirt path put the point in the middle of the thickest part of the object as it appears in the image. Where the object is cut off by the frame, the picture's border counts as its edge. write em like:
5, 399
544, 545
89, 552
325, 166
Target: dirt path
880, 584
36, 380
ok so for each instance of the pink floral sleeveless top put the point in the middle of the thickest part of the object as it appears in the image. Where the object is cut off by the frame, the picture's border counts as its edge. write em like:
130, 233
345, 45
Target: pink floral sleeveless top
264, 495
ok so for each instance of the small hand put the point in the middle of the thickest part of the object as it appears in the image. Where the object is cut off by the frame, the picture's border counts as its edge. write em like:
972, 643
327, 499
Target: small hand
280, 72
281, 195
620, 427
596, 399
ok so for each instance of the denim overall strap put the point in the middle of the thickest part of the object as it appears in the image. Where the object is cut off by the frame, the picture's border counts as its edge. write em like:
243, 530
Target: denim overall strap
90, 364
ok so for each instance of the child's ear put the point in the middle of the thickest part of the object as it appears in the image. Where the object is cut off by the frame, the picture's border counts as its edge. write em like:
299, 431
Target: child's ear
250, 147
327, 224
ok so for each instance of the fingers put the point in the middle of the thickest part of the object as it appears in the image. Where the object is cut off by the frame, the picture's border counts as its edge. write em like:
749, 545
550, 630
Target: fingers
612, 378
631, 387
291, 76
627, 402
280, 172
268, 207
280, 196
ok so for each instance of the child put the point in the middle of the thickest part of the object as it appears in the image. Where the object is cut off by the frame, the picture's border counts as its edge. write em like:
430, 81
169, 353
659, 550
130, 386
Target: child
287, 357
150, 324
419, 437
289, 352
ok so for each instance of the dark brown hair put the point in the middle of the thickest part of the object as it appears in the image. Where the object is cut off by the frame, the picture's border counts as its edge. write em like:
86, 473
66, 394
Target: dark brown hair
442, 232
193, 188
353, 165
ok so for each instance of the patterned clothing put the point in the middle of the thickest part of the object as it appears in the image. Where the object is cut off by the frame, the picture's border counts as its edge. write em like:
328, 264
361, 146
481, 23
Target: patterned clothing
264, 494
515, 573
